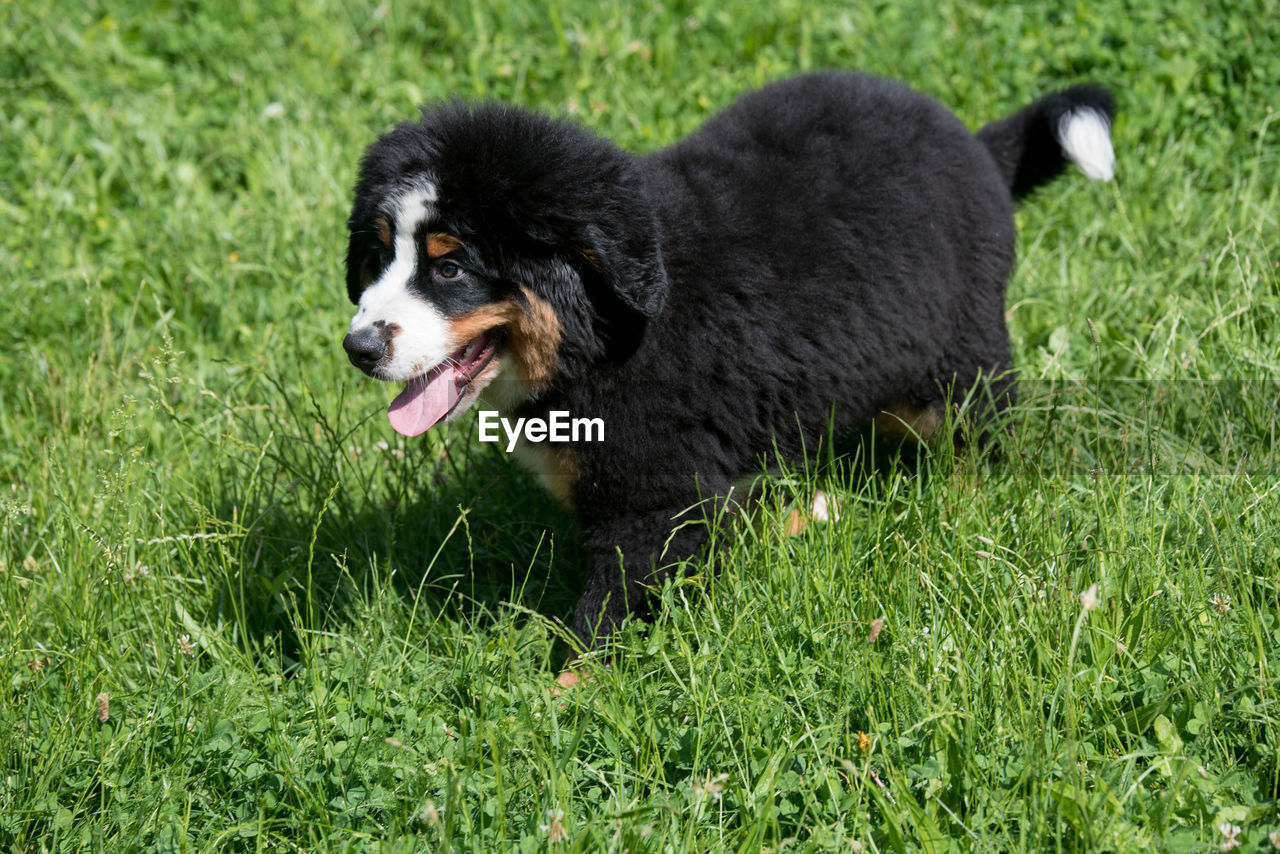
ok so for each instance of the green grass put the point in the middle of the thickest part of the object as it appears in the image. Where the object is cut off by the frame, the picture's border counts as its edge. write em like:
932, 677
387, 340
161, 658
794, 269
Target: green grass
311, 635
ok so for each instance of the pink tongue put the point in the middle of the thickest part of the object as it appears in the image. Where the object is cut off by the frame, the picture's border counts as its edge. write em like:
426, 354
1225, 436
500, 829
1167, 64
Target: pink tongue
425, 400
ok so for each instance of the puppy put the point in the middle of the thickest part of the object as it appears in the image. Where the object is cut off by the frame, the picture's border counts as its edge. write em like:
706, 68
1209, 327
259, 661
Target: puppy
828, 250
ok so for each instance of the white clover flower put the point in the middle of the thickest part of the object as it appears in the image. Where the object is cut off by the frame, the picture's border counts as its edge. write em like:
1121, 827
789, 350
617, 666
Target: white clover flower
1089, 598
554, 829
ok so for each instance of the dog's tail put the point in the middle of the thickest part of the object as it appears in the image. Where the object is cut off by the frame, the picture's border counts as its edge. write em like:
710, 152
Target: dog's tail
1032, 146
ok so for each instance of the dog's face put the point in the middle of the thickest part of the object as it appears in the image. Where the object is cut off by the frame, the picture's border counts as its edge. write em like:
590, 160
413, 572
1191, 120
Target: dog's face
483, 256
435, 314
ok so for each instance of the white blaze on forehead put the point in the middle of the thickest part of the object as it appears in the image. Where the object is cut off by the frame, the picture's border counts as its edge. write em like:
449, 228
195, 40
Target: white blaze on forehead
423, 340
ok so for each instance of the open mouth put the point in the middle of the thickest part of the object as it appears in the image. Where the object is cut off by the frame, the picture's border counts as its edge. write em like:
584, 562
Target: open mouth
434, 396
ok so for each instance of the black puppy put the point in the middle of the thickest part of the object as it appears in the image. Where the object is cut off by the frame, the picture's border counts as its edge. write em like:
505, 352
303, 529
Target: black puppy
828, 249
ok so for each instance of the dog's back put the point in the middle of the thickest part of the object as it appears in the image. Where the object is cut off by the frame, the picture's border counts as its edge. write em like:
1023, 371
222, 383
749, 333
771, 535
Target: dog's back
840, 239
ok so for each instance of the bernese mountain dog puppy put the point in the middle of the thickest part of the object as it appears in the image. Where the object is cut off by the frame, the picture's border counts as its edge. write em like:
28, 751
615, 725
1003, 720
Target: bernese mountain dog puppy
828, 251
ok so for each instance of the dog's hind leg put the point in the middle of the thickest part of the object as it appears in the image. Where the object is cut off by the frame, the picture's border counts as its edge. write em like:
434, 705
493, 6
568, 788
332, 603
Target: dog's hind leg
900, 420
980, 403
966, 409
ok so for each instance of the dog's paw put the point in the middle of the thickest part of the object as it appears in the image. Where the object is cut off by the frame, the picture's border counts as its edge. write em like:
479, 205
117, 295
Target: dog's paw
568, 678
823, 508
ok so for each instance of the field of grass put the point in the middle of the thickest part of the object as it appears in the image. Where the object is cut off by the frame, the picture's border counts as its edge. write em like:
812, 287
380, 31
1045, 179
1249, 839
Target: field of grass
238, 613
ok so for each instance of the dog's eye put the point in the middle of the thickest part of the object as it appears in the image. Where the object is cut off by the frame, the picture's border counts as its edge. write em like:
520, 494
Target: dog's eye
449, 270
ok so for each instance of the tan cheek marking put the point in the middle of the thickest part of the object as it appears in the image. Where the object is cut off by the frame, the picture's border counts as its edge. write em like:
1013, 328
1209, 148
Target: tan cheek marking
533, 335
536, 337
481, 320
439, 243
384, 230
904, 422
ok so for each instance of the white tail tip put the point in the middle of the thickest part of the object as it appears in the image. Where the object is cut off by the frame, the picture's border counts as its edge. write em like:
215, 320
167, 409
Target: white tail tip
1085, 137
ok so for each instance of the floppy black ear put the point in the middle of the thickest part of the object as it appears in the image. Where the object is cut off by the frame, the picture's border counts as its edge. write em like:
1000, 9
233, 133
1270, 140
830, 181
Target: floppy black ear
626, 254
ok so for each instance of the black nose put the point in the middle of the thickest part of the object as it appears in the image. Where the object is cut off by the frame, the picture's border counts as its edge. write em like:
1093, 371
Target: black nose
366, 347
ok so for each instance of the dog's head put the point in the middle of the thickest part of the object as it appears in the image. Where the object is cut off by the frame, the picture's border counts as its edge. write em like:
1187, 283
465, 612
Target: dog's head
493, 247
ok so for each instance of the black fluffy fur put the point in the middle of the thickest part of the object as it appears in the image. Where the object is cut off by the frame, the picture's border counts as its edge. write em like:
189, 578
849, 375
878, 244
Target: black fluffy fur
826, 247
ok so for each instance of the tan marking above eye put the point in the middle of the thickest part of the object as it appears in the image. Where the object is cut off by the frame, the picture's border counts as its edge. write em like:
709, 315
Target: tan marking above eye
384, 230
439, 243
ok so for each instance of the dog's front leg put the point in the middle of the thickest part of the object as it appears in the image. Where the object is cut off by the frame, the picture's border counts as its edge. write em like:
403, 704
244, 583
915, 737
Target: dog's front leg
629, 557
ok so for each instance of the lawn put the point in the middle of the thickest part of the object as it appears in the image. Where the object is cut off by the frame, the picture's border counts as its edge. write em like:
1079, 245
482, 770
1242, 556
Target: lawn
238, 613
